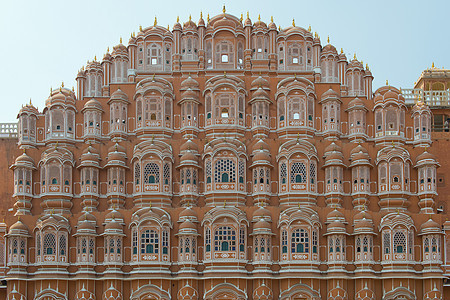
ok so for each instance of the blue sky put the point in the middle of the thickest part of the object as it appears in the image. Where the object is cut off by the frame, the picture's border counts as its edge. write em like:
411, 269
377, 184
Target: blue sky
46, 42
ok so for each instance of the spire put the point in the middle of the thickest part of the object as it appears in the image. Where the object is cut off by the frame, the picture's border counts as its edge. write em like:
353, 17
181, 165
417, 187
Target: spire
259, 17
207, 18
242, 18
223, 9
342, 51
156, 22
248, 15
271, 19
140, 27
120, 41
309, 28
201, 15
190, 18
387, 82
293, 22
354, 56
328, 39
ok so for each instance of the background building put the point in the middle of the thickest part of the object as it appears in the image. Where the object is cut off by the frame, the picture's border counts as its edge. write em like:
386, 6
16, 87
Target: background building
228, 160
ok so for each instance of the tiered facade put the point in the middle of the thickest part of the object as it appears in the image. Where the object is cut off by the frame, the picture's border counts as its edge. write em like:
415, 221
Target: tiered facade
225, 160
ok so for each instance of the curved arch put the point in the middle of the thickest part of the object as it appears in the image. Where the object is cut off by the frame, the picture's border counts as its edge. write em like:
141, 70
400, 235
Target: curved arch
301, 290
393, 220
150, 291
400, 293
48, 294
237, 215
227, 289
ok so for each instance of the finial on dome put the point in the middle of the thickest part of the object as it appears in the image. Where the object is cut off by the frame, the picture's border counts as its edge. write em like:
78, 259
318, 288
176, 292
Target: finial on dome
156, 22
120, 40
190, 18
201, 15
432, 65
51, 90
259, 17
354, 56
95, 58
207, 18
107, 49
279, 28
248, 15
223, 9
140, 27
293, 22
30, 101
342, 51
367, 67
328, 39
309, 28
168, 28
225, 74
387, 82
426, 147
271, 19
62, 84
73, 89
242, 18
225, 203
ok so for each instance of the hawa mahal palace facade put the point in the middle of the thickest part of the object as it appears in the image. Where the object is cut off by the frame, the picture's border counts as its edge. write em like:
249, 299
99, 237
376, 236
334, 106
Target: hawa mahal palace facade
228, 160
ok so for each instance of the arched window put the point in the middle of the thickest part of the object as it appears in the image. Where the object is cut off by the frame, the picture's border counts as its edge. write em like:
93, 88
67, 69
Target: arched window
300, 241
225, 171
149, 242
224, 52
298, 172
49, 244
151, 173
225, 239
399, 242
284, 247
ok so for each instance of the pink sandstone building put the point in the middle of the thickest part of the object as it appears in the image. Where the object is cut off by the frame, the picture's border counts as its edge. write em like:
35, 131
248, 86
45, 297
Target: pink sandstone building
228, 159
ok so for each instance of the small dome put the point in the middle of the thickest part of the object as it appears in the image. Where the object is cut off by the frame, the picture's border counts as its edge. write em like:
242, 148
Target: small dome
262, 224
24, 159
189, 94
262, 213
85, 226
28, 109
425, 156
116, 156
336, 226
93, 104
260, 145
329, 49
113, 225
330, 94
354, 63
119, 95
189, 83
335, 215
177, 26
260, 94
272, 25
188, 225
119, 49
362, 215
189, 145
358, 149
188, 156
18, 226
190, 25
116, 148
201, 22
87, 217
260, 24
363, 224
334, 156
429, 227
356, 103
114, 215
333, 147
188, 213
261, 156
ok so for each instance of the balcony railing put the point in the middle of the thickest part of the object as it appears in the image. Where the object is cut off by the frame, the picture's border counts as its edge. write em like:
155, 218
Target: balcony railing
431, 98
8, 130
